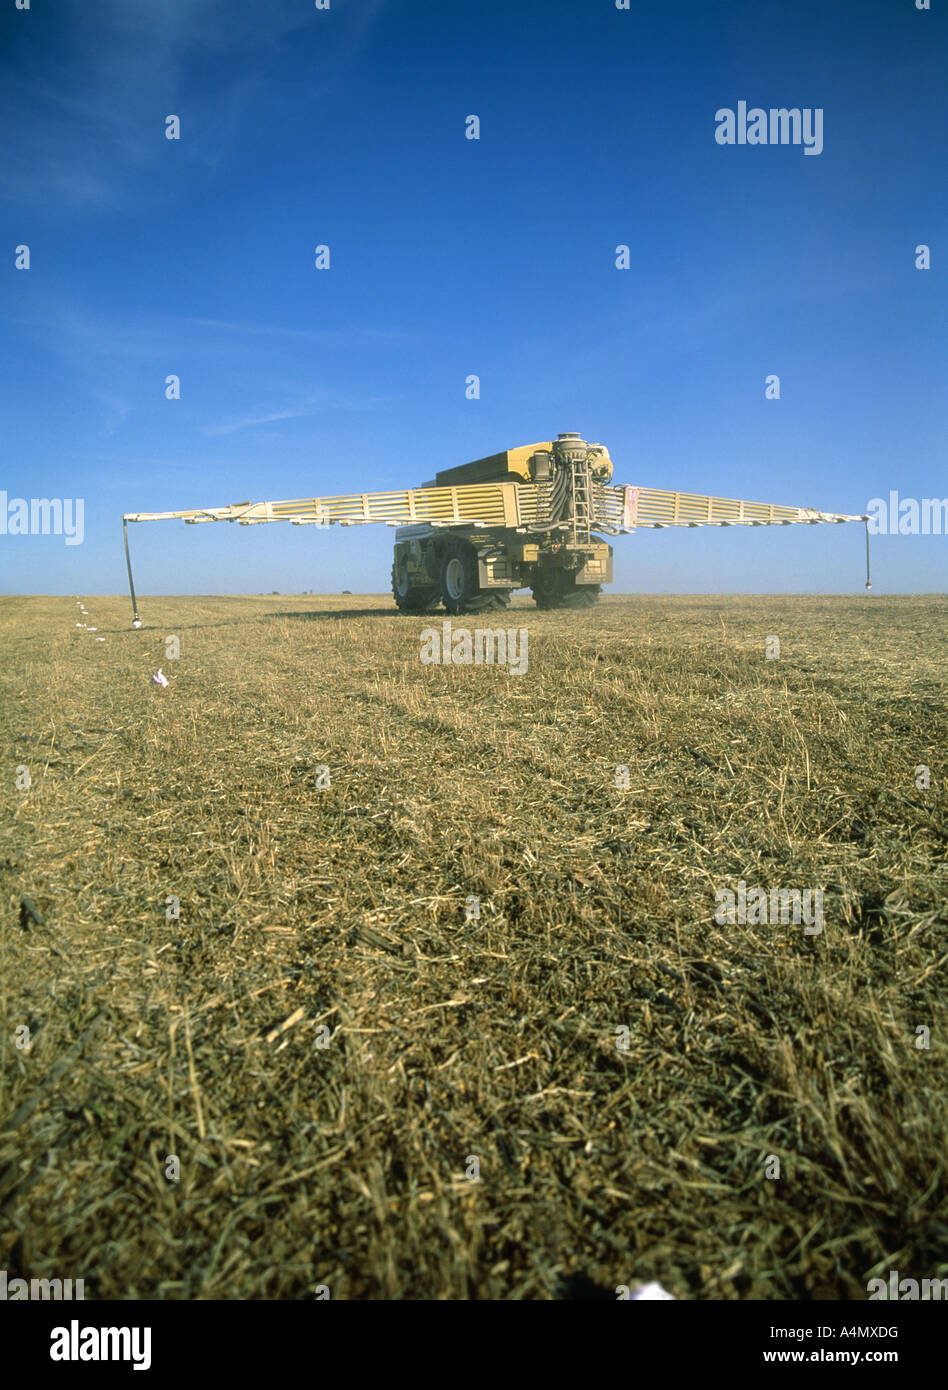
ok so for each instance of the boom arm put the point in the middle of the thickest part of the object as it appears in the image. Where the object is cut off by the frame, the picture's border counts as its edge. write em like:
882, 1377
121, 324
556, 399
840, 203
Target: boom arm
630, 507
616, 509
484, 504
517, 506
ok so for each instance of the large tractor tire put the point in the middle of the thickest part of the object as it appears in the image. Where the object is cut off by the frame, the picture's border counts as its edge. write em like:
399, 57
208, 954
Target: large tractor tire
489, 601
555, 588
582, 596
459, 588
409, 599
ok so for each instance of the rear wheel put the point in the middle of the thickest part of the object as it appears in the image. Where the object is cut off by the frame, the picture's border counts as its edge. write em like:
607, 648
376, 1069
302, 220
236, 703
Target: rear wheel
546, 588
459, 588
553, 588
582, 596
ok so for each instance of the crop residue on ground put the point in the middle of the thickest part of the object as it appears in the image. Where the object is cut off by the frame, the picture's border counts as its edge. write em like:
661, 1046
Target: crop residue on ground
427, 996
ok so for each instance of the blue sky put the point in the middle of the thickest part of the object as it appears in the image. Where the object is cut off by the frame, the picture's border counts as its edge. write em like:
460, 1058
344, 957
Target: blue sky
450, 257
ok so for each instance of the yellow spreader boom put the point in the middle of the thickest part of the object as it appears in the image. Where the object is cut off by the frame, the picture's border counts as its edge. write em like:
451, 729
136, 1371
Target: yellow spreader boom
482, 504
617, 509
525, 517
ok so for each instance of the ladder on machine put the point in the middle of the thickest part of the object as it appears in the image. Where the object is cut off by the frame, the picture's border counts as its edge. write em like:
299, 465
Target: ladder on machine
581, 488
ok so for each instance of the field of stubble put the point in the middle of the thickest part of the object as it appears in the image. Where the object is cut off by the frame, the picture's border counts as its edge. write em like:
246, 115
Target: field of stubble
326, 1043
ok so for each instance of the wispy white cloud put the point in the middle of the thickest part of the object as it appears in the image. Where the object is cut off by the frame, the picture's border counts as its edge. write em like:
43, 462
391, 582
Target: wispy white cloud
84, 91
109, 356
354, 333
316, 406
248, 421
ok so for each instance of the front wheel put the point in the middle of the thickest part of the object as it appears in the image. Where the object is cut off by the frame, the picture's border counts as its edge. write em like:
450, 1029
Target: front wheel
412, 598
